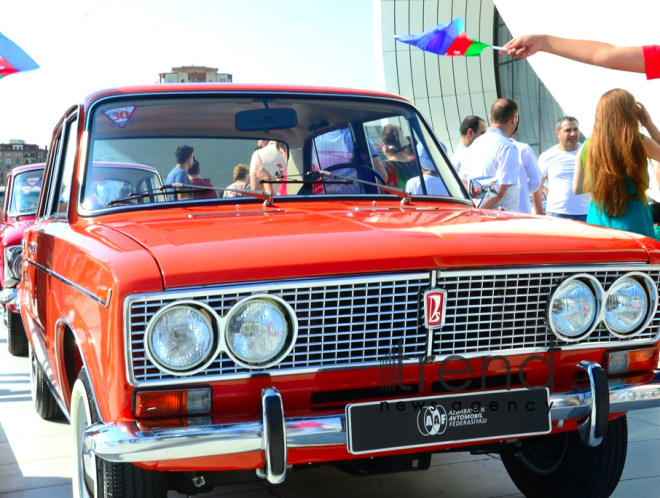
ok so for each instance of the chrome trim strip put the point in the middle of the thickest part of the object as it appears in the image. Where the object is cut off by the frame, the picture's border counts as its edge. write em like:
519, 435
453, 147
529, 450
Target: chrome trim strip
124, 442
377, 364
545, 269
80, 289
238, 213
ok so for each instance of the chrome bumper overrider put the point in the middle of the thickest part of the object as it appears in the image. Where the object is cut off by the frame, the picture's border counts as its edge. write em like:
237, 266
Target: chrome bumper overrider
8, 296
124, 442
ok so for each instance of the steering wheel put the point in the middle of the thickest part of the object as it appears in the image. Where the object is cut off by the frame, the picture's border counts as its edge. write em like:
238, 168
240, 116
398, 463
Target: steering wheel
363, 173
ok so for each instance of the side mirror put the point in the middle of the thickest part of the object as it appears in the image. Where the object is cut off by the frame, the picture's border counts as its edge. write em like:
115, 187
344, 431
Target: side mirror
482, 188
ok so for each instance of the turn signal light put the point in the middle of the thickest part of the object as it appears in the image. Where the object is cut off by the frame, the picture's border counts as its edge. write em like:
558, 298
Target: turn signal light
638, 360
151, 404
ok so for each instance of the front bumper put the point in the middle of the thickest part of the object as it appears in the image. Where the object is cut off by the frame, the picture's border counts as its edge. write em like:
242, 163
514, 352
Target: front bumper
124, 442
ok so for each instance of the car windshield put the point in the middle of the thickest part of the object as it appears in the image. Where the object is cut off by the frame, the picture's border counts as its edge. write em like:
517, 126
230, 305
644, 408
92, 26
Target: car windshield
25, 193
212, 149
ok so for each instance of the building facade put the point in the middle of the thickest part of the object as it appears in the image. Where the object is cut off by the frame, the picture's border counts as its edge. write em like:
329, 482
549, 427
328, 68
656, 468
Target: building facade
18, 153
447, 89
194, 74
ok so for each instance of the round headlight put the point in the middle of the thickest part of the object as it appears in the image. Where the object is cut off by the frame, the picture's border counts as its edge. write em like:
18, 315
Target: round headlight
573, 310
260, 331
179, 338
626, 306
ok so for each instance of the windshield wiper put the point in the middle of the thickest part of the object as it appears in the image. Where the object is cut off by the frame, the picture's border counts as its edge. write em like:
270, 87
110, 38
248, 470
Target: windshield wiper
400, 193
180, 188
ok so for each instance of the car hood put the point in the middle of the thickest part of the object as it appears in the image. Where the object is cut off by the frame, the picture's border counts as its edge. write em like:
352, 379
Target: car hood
224, 244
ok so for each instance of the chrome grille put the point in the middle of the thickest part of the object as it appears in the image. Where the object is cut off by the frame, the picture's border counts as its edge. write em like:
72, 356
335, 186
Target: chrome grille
348, 321
493, 311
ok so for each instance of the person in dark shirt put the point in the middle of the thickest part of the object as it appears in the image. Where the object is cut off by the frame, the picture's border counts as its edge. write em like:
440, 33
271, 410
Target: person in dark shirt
193, 173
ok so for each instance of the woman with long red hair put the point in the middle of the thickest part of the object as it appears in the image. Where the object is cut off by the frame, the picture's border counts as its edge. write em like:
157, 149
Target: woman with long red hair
613, 164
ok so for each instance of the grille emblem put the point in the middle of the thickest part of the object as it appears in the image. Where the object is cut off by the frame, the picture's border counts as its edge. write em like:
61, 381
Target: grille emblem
434, 308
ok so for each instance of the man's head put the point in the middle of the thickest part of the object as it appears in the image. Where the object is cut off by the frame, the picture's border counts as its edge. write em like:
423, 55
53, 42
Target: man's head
568, 133
504, 115
471, 128
184, 156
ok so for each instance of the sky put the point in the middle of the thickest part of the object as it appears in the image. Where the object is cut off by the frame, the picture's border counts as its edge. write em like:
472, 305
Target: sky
86, 45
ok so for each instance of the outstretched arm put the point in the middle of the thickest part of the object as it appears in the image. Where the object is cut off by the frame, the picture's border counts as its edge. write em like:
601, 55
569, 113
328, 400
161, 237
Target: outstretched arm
590, 52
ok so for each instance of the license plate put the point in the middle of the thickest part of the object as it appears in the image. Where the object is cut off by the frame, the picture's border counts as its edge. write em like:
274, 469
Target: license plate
454, 418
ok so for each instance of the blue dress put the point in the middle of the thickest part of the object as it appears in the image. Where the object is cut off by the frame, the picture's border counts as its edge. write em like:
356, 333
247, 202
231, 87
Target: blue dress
637, 217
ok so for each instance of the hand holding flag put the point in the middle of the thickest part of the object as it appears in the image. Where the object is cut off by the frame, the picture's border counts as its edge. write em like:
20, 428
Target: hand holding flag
13, 59
446, 39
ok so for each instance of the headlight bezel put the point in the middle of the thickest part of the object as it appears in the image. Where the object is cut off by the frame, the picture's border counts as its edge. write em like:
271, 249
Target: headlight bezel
13, 265
648, 285
208, 315
287, 312
598, 293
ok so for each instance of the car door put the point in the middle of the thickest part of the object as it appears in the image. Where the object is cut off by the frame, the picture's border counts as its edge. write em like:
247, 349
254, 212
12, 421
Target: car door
52, 219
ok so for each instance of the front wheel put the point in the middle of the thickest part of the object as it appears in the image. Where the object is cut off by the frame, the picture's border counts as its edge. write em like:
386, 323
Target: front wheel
17, 342
561, 465
95, 477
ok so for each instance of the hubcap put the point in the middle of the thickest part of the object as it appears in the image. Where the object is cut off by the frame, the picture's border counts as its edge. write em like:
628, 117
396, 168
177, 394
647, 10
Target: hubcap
544, 458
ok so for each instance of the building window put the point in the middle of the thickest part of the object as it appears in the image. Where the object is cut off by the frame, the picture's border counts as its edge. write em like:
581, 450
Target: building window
17, 154
18, 162
8, 161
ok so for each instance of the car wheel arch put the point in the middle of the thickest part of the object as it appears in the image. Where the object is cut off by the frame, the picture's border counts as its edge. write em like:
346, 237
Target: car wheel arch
71, 361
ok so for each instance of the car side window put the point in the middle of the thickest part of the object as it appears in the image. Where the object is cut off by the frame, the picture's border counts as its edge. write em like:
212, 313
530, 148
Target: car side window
62, 192
51, 171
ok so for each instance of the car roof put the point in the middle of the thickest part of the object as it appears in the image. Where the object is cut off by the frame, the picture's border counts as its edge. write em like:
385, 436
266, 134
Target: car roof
237, 88
107, 164
27, 167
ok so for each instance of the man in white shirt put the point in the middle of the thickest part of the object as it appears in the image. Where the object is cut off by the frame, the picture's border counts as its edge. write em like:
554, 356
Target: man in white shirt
529, 175
471, 128
270, 159
494, 155
557, 165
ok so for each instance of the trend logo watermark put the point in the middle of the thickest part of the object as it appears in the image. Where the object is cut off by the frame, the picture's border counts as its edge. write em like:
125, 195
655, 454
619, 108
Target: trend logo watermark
391, 370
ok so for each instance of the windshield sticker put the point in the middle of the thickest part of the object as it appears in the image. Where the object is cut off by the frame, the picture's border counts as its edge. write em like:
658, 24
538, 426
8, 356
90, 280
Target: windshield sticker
120, 116
33, 181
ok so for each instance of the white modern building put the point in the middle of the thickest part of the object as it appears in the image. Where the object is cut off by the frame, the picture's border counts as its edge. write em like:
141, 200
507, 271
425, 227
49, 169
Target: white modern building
447, 89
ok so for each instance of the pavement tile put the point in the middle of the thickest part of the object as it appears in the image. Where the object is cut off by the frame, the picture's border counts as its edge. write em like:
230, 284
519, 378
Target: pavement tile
55, 491
35, 449
647, 486
650, 417
643, 460
639, 430
35, 475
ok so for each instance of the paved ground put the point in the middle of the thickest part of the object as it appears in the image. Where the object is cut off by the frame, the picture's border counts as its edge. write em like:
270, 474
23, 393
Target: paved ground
35, 459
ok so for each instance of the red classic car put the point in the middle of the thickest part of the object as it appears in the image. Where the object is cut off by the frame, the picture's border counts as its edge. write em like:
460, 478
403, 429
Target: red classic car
305, 313
18, 212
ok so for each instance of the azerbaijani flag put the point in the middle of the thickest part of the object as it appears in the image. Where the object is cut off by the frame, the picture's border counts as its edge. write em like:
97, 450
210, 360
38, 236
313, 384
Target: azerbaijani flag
13, 59
446, 39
